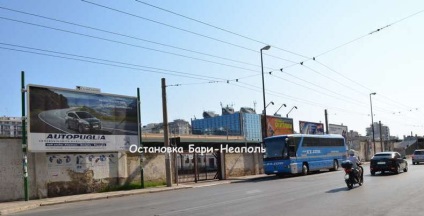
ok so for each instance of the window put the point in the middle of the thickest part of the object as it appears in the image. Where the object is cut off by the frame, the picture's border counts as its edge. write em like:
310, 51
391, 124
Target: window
324, 142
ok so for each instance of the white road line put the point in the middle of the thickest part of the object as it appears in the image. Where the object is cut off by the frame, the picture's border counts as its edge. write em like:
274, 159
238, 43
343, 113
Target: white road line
39, 116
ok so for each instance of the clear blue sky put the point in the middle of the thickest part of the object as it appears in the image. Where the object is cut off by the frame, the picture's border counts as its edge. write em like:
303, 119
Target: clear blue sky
389, 62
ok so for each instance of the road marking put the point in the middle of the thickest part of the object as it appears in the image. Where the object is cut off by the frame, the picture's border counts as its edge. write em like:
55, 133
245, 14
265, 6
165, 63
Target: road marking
39, 116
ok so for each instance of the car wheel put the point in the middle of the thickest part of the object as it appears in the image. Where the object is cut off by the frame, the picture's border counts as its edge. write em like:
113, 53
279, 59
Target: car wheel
406, 168
305, 169
373, 173
413, 163
397, 169
80, 129
335, 166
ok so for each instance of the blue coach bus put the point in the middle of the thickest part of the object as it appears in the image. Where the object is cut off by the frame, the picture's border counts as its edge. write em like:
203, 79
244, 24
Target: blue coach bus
301, 153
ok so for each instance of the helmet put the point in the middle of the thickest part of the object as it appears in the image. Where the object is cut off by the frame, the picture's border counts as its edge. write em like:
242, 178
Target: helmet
352, 153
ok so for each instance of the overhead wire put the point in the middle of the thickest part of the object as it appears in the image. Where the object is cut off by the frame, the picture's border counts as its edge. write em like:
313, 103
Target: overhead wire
181, 29
125, 35
331, 50
219, 28
108, 62
127, 44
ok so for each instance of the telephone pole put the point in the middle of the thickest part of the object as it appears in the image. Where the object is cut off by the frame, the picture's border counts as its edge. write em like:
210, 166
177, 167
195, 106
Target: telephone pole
165, 135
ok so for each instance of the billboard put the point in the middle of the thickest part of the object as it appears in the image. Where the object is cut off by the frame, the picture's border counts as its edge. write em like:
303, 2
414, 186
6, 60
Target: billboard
279, 125
66, 120
337, 129
311, 127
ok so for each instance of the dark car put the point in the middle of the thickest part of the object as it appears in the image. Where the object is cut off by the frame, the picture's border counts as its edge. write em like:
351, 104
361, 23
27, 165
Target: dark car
82, 121
388, 161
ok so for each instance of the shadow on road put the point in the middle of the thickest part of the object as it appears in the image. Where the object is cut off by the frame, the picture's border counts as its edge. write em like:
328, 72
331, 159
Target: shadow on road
274, 177
337, 190
379, 174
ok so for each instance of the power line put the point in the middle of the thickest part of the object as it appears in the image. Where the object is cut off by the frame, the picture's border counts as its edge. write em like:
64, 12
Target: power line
124, 43
219, 28
84, 27
127, 36
275, 93
343, 97
181, 29
111, 63
359, 84
356, 39
108, 63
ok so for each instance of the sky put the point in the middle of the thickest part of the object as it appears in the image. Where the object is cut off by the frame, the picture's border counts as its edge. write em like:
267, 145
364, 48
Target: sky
209, 54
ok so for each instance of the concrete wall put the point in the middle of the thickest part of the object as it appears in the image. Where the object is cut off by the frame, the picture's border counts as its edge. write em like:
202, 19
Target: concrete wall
153, 168
11, 171
58, 174
69, 174
243, 164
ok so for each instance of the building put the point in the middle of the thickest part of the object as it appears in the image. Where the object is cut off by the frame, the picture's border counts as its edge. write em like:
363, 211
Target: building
385, 132
242, 123
177, 127
10, 126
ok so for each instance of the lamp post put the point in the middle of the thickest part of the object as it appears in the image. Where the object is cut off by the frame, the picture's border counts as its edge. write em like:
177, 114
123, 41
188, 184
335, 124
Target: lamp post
294, 107
372, 123
279, 109
264, 126
272, 102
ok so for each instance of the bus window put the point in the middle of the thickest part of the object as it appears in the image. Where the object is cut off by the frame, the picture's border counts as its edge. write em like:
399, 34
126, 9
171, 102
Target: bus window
291, 143
275, 148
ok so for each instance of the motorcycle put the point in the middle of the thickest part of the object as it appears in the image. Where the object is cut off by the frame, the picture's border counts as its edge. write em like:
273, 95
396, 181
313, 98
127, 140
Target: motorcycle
352, 176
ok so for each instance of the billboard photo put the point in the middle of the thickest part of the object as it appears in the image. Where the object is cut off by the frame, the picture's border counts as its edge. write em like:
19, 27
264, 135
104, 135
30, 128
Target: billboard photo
66, 120
338, 129
279, 126
311, 127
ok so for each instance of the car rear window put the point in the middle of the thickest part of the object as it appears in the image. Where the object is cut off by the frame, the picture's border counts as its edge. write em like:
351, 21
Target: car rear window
383, 156
418, 152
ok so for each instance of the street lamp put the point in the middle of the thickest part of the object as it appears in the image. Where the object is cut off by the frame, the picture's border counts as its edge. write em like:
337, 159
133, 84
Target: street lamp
270, 103
294, 107
279, 109
372, 122
264, 126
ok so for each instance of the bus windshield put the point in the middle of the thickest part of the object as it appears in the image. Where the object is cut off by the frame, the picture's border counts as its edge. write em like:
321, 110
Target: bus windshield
276, 148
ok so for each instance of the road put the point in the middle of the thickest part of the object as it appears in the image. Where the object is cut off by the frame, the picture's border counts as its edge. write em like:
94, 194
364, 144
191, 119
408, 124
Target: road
324, 193
56, 119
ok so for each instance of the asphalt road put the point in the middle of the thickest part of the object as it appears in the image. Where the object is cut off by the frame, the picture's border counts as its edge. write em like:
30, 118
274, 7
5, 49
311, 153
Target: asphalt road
56, 119
324, 193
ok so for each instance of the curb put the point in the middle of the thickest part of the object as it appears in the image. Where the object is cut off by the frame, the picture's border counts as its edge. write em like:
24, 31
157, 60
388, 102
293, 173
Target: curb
19, 208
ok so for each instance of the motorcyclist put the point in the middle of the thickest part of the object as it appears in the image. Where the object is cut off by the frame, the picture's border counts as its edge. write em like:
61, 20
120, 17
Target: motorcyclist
356, 162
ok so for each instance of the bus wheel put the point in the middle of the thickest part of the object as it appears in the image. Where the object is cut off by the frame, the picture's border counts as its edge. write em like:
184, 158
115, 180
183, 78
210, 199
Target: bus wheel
304, 169
335, 166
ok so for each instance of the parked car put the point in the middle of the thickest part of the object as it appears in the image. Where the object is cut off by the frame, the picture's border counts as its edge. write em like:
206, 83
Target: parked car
418, 156
388, 161
82, 121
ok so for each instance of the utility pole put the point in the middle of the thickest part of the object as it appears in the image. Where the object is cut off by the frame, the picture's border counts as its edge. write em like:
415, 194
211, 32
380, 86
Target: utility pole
165, 135
326, 121
24, 139
381, 137
140, 137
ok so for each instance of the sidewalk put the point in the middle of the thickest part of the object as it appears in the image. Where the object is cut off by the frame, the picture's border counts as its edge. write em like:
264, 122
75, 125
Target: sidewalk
17, 206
